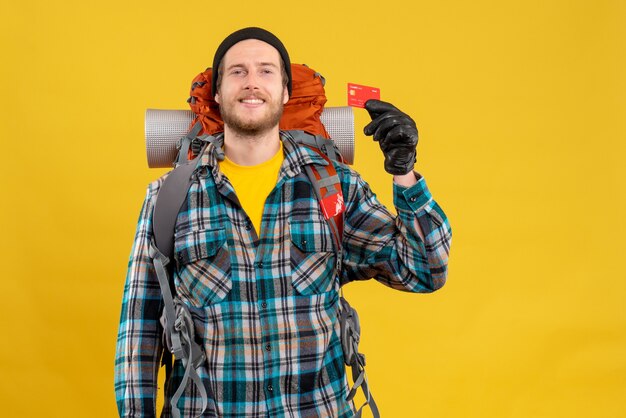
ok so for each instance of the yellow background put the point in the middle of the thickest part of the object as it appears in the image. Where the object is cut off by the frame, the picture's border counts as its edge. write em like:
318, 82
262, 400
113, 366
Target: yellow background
521, 111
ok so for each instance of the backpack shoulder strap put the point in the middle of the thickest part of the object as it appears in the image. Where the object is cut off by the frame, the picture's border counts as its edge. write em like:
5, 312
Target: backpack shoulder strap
170, 199
327, 187
177, 322
173, 191
326, 183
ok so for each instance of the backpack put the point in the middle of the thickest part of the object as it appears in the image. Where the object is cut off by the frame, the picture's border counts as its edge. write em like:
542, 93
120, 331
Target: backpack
301, 122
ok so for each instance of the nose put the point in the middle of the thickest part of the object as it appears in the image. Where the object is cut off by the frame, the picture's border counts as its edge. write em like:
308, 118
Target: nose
251, 82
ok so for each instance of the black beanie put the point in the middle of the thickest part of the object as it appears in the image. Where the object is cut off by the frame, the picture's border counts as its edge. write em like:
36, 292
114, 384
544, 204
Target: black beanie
242, 35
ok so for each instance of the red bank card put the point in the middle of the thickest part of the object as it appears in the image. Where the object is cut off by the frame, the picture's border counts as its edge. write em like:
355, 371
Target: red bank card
358, 94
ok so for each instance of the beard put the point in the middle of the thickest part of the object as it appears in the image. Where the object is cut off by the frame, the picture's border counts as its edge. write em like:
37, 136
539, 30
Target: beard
249, 127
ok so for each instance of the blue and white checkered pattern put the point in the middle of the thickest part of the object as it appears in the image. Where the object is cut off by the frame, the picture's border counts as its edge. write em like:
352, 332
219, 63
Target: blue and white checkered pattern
265, 306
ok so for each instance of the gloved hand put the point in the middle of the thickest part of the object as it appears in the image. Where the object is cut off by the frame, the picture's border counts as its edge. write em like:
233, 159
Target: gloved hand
396, 134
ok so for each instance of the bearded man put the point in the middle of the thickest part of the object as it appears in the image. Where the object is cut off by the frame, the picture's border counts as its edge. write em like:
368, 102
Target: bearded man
254, 257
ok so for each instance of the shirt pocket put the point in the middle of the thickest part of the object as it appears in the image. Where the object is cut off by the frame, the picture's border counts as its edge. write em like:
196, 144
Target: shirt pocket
311, 257
204, 269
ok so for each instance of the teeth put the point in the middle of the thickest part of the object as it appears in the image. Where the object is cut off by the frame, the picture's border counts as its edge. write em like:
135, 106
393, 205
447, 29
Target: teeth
252, 101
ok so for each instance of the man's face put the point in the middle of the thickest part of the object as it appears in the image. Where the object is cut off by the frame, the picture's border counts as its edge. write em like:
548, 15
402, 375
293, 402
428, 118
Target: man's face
251, 95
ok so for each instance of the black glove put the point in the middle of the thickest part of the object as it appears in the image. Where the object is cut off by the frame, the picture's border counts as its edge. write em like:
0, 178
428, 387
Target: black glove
396, 134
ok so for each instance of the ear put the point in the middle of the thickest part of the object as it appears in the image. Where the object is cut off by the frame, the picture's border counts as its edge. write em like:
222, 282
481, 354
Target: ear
217, 98
285, 95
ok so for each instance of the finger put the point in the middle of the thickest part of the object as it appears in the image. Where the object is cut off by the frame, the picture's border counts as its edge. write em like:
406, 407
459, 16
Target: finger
375, 123
404, 135
387, 122
376, 107
370, 128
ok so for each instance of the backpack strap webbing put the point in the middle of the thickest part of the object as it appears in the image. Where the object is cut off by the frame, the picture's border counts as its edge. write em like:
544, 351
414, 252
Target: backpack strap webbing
173, 193
170, 199
177, 321
185, 142
179, 327
325, 183
327, 187
350, 336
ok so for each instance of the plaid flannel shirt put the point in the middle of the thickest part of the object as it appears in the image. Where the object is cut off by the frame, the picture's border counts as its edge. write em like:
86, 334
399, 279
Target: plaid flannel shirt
265, 306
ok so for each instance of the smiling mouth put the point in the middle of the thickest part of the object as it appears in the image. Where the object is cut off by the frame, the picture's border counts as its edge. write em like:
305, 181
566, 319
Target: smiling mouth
252, 101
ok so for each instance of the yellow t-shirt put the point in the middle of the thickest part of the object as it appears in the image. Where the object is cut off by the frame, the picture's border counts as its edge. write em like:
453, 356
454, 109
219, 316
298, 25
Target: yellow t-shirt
254, 183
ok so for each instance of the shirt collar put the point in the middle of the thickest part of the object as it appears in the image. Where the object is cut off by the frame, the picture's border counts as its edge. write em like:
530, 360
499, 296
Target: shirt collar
297, 156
